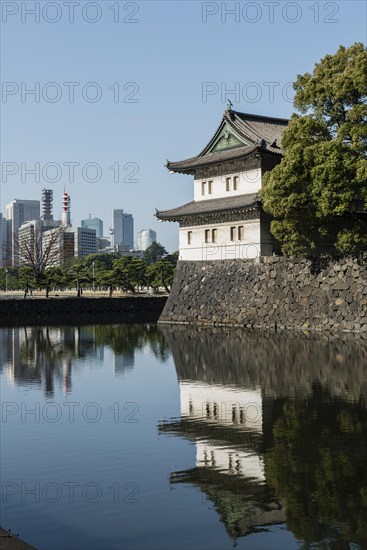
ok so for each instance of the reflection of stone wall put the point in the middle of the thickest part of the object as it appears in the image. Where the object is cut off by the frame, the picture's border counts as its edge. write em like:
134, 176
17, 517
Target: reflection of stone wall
275, 292
281, 364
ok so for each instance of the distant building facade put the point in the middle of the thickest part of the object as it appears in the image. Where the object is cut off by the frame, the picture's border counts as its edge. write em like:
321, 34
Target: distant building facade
94, 223
63, 248
84, 241
3, 240
103, 244
29, 242
123, 230
17, 213
146, 238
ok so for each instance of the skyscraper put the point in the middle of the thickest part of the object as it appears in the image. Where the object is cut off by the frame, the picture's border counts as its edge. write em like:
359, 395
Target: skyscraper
17, 212
3, 240
94, 223
118, 227
128, 232
123, 230
146, 237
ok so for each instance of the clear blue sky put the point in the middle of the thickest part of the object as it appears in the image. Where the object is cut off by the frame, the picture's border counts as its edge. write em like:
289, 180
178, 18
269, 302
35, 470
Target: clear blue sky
171, 50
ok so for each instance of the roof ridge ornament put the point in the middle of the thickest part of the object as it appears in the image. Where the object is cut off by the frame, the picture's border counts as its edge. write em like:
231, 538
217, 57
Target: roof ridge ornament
229, 111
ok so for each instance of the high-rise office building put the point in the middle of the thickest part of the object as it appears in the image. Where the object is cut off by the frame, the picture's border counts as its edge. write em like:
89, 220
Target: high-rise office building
146, 237
17, 213
118, 227
123, 230
3, 240
29, 247
84, 241
94, 223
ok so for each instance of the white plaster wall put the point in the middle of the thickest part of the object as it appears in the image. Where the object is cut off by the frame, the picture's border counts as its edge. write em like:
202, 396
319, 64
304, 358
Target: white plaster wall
223, 248
222, 405
232, 461
249, 182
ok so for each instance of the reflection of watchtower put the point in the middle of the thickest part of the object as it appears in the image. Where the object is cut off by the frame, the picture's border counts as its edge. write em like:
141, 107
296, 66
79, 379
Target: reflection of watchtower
225, 414
65, 216
47, 200
227, 426
228, 415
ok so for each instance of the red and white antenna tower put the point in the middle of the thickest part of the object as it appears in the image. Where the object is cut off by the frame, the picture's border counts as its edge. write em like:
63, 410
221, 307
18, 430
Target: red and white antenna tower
65, 217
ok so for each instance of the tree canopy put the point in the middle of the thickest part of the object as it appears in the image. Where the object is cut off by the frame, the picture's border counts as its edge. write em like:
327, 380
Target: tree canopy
319, 190
317, 464
154, 252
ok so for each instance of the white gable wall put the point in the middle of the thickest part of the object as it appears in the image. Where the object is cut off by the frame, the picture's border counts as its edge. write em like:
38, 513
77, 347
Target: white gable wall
249, 181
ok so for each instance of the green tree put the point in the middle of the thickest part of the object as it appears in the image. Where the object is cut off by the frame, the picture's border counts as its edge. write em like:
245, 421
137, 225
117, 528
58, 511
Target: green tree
161, 273
129, 272
79, 275
154, 252
173, 258
13, 278
318, 190
106, 279
27, 280
53, 277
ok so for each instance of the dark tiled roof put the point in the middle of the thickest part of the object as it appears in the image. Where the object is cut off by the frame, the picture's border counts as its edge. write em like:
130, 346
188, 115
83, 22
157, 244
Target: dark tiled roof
218, 156
234, 203
264, 133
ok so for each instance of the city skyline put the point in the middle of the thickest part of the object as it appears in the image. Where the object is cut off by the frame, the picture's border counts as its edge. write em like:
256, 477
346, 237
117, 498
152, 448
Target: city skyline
29, 217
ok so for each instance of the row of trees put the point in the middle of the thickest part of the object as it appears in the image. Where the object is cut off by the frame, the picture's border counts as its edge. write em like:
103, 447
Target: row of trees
98, 271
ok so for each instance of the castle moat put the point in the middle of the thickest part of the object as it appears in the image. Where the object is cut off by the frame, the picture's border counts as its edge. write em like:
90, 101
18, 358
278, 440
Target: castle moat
142, 437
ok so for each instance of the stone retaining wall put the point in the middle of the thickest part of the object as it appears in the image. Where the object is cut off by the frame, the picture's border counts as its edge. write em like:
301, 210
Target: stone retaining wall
274, 292
134, 309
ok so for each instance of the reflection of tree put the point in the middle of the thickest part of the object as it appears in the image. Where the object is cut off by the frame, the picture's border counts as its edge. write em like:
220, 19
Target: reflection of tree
41, 355
45, 354
318, 465
125, 339
243, 504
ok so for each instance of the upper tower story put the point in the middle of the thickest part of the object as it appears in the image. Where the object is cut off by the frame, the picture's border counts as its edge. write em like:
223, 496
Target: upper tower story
243, 147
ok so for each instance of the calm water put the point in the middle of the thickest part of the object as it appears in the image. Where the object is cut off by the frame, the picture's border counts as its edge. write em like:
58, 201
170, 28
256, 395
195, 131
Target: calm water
131, 437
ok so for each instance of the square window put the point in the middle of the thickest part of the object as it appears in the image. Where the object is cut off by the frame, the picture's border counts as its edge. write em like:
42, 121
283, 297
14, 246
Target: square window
240, 233
214, 235
233, 233
235, 182
210, 187
203, 187
228, 184
189, 237
207, 233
